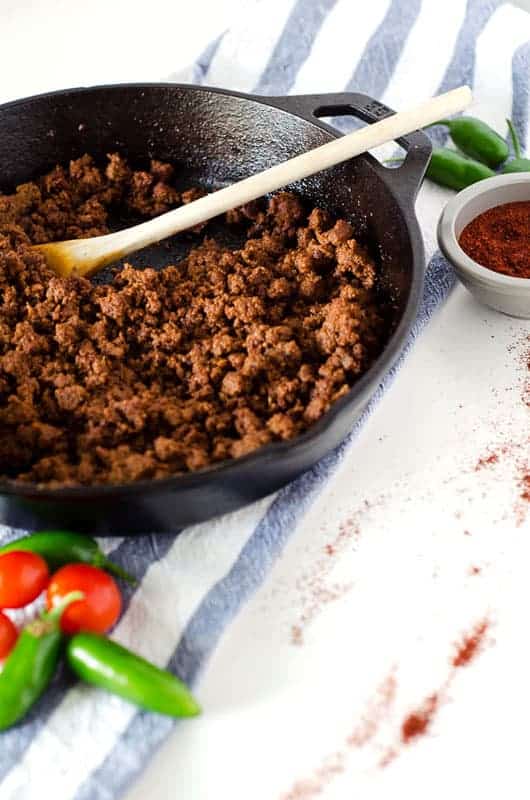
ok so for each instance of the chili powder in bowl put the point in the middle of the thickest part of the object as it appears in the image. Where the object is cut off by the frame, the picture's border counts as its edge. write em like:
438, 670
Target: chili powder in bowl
484, 231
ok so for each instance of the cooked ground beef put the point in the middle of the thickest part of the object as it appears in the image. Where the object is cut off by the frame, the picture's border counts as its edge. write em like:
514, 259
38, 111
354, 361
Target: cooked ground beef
163, 372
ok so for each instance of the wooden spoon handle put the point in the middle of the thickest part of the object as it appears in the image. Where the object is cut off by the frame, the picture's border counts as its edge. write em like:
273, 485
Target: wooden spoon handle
323, 157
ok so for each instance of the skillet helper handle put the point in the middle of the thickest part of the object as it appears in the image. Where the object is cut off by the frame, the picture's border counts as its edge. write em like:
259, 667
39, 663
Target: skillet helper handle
409, 176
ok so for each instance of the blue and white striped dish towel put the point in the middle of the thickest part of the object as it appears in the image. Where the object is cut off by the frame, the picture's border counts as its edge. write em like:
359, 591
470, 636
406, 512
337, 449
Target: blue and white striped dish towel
81, 743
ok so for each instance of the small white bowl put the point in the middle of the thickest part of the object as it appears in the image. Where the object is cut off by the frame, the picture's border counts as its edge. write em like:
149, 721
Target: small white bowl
506, 294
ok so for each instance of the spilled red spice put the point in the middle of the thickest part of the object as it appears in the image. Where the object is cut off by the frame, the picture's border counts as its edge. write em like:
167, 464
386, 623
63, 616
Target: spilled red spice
417, 723
318, 594
470, 645
523, 501
316, 591
387, 757
296, 635
370, 722
499, 239
515, 451
313, 786
485, 461
333, 764
414, 725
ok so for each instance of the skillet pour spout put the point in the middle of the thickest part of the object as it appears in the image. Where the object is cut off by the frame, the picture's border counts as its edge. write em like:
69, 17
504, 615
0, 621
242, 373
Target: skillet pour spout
218, 137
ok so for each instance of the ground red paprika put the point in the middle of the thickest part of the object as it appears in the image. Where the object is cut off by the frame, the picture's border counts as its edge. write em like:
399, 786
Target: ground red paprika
417, 723
499, 239
468, 648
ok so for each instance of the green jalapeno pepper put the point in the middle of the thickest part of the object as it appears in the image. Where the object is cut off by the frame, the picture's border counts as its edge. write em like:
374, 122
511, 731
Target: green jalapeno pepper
31, 664
110, 666
449, 168
517, 164
477, 140
58, 548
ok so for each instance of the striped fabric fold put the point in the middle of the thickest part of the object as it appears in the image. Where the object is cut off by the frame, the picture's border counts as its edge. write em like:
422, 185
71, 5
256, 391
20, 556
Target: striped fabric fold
81, 743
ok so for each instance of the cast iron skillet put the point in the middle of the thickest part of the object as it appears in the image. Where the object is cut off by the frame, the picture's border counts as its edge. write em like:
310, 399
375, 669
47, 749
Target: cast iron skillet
218, 137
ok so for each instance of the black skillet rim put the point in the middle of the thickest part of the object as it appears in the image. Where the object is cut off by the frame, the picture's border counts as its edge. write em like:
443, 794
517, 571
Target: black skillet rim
273, 450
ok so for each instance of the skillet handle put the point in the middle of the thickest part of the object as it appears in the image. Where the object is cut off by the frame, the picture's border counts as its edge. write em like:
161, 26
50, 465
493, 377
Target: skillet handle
405, 179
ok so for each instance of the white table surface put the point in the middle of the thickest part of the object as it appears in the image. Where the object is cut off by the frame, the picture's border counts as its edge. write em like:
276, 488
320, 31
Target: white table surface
398, 592
430, 519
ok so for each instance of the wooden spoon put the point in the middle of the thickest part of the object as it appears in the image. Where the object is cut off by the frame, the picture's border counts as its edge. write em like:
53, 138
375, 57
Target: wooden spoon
86, 256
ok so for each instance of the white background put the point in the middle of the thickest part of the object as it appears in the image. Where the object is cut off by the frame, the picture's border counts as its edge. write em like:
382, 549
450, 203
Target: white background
398, 593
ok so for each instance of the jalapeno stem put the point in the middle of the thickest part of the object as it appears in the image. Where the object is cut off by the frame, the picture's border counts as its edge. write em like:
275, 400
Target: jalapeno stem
119, 572
515, 139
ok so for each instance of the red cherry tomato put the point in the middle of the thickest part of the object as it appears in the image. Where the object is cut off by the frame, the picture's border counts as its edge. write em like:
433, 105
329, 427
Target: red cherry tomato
8, 636
101, 606
23, 576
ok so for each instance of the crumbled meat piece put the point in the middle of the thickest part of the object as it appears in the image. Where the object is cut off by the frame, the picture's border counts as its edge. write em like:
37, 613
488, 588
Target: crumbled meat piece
250, 442
161, 171
192, 194
117, 170
353, 259
286, 210
167, 449
162, 372
279, 288
282, 425
70, 397
234, 383
319, 220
